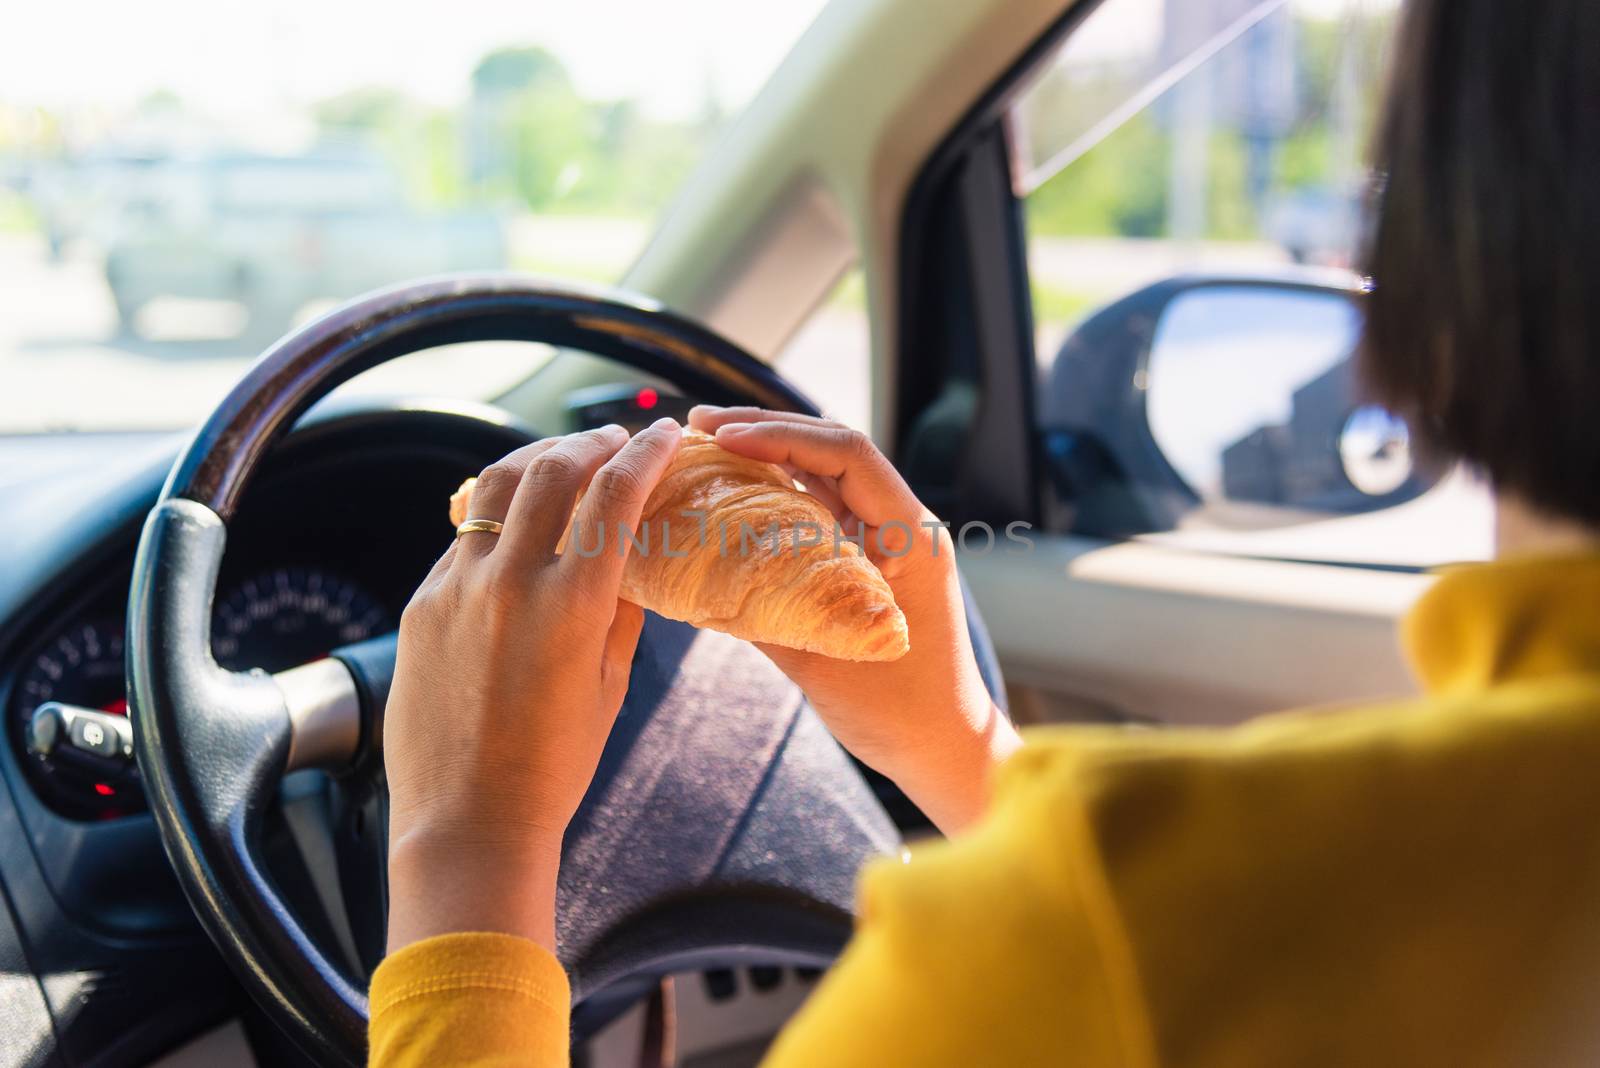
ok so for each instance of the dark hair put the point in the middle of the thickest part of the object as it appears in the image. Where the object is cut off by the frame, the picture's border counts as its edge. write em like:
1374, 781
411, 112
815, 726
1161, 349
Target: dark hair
1484, 320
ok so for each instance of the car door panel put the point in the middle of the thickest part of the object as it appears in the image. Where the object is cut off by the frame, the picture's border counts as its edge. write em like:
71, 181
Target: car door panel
1130, 631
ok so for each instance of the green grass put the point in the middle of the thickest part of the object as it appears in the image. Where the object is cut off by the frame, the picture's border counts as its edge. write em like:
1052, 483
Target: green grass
850, 292
16, 214
1053, 305
578, 271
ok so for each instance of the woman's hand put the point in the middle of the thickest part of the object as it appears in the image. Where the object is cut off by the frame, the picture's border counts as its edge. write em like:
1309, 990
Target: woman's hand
512, 665
925, 720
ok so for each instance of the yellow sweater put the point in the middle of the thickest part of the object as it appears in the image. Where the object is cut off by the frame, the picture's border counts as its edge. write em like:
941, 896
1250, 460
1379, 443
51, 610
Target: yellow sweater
1412, 884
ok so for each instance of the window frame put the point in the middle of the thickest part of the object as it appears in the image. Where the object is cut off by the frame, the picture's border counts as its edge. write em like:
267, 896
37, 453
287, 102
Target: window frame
965, 316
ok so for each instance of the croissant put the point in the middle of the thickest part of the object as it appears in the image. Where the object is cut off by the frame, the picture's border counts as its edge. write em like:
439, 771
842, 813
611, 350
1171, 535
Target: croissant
730, 543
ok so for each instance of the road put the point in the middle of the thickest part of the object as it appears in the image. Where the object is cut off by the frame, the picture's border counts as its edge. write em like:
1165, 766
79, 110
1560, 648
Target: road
64, 364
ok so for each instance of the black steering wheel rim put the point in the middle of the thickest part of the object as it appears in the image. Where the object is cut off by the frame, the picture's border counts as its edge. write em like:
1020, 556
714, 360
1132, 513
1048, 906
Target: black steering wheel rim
309, 363
211, 744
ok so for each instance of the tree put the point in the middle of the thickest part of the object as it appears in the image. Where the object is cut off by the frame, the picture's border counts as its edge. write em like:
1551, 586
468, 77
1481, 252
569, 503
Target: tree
363, 111
513, 70
421, 144
1117, 188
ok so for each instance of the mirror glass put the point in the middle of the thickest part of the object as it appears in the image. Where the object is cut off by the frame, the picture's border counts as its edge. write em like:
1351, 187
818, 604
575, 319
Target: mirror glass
1251, 397
1375, 451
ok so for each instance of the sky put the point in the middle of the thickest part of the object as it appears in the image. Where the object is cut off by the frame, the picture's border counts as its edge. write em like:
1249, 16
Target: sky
250, 57
1133, 27
254, 56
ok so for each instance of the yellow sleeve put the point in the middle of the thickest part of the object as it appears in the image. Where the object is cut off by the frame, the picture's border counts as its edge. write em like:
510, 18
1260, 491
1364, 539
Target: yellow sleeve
480, 1000
998, 947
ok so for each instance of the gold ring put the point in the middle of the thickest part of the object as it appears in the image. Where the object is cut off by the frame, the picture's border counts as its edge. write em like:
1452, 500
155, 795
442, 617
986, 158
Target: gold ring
472, 526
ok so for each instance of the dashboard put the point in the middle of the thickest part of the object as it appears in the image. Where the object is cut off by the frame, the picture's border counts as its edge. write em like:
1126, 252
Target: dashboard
325, 552
344, 521
276, 617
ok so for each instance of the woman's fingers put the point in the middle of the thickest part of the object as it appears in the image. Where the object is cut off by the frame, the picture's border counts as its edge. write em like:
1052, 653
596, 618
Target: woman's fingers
543, 501
440, 568
492, 494
617, 660
825, 490
708, 417
867, 483
615, 501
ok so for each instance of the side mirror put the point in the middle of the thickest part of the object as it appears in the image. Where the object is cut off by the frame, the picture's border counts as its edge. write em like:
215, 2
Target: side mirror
1232, 396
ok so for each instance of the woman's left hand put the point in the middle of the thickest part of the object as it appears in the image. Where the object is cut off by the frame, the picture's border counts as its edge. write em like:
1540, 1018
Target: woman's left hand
512, 665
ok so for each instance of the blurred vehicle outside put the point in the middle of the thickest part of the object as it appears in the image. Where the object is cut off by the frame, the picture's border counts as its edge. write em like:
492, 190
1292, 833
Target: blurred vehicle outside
1315, 225
166, 214
271, 234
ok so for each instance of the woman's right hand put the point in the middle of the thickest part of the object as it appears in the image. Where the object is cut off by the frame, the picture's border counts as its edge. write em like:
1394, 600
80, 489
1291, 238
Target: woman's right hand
926, 720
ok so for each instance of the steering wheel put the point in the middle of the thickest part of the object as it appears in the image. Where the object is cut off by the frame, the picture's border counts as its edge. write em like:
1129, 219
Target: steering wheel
686, 852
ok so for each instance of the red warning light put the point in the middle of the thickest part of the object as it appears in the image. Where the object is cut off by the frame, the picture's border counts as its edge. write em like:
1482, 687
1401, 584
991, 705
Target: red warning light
103, 790
647, 398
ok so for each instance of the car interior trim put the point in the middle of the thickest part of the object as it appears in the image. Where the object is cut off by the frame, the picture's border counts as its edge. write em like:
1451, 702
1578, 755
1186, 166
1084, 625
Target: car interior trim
324, 714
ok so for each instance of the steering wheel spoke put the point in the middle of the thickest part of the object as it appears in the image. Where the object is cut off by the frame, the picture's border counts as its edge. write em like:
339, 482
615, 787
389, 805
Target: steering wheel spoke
335, 704
324, 715
212, 746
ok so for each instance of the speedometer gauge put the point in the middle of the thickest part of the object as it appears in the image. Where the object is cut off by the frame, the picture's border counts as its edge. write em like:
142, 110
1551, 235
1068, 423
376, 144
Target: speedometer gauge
292, 615
80, 666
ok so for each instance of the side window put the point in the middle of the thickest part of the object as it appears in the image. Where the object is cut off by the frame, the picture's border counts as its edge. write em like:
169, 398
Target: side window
830, 356
1192, 182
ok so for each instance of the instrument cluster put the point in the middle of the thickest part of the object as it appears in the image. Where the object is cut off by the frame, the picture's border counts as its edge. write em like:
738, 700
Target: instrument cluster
324, 551
75, 752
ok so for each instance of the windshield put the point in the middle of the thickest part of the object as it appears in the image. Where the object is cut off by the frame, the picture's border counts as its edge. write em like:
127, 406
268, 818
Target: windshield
185, 183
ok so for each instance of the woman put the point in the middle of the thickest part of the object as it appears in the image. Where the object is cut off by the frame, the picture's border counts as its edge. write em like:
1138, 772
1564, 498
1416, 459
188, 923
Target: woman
1417, 883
